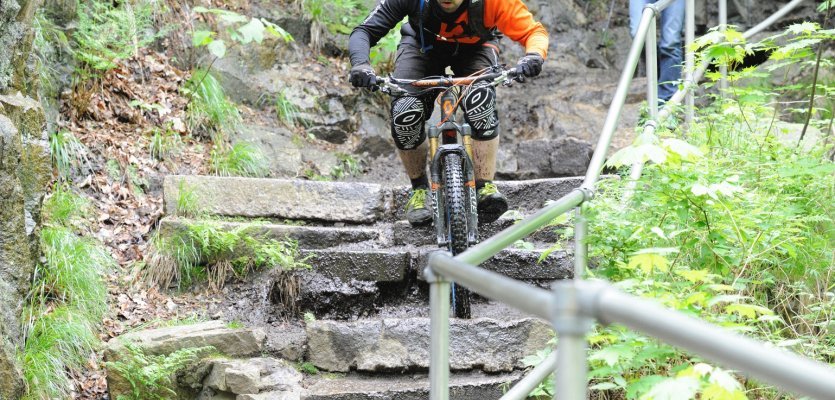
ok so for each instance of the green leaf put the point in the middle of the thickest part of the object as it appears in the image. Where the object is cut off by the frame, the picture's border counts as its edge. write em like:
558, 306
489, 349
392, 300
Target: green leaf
716, 392
803, 28
202, 38
604, 386
610, 355
747, 310
693, 276
646, 261
685, 150
217, 48
252, 32
682, 388
642, 386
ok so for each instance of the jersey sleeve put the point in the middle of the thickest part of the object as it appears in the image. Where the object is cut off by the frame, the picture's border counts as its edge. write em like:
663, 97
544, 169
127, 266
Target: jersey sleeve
379, 22
514, 20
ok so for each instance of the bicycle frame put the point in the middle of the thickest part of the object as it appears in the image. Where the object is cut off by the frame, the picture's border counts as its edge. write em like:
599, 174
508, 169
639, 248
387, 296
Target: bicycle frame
443, 139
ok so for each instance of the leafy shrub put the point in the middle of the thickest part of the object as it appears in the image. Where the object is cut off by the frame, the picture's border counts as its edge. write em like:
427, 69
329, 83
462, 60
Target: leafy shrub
164, 143
152, 377
111, 31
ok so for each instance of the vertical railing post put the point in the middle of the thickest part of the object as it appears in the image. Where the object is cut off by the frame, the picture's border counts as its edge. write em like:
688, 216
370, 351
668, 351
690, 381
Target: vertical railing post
571, 326
723, 24
581, 246
689, 60
439, 292
651, 49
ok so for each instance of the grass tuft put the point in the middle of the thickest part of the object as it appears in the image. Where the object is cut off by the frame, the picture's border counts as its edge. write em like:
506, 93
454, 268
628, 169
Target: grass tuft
63, 206
164, 144
242, 159
210, 110
69, 155
207, 250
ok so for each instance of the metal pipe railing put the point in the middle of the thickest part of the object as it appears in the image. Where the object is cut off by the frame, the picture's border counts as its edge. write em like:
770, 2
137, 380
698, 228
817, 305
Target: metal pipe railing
723, 25
490, 247
521, 389
787, 370
571, 308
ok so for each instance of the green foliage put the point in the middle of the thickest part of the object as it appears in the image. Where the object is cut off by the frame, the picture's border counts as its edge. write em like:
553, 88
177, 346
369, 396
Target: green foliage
308, 368
72, 274
209, 109
164, 143
57, 340
67, 300
242, 159
210, 250
108, 32
152, 377
186, 200
348, 166
63, 206
239, 29
49, 42
382, 55
287, 111
69, 155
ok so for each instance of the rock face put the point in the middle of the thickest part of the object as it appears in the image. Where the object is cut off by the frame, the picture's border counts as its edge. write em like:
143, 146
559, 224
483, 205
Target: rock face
227, 341
24, 175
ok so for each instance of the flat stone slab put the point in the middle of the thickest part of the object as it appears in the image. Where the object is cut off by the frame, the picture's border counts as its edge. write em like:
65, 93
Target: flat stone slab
362, 264
462, 386
232, 342
402, 344
309, 237
278, 198
524, 196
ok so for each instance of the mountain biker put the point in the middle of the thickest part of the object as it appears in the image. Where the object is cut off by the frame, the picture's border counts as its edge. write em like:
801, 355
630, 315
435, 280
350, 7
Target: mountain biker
462, 35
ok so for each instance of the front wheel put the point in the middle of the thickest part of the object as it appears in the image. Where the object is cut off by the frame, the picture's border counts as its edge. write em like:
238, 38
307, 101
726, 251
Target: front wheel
456, 223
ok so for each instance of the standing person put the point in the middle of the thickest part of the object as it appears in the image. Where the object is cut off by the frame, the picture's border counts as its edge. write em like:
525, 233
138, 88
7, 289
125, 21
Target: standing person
462, 35
669, 47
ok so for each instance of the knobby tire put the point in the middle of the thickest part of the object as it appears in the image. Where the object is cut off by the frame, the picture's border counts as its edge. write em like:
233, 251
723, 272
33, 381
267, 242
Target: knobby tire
456, 216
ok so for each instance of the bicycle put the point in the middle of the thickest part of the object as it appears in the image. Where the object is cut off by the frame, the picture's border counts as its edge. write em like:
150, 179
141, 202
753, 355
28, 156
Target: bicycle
451, 177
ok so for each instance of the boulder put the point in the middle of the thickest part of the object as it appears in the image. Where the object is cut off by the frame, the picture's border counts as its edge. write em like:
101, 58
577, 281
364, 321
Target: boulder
278, 146
227, 341
255, 378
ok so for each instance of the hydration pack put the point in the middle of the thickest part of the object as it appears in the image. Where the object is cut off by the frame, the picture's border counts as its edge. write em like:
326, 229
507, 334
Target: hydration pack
475, 17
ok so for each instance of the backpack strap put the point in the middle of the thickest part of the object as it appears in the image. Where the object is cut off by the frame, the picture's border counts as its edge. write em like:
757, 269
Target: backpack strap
475, 14
424, 15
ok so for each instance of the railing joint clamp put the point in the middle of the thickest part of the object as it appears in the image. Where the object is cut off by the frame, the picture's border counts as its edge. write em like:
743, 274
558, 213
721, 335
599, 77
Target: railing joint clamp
429, 274
653, 123
588, 193
654, 10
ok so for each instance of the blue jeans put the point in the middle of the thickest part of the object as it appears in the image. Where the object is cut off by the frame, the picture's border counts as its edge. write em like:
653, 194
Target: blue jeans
669, 47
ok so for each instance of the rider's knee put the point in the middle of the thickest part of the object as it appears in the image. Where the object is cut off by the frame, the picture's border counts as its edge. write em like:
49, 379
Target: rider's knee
407, 117
480, 112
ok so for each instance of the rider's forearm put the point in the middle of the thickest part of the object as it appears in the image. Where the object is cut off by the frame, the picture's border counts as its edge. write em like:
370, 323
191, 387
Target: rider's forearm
359, 45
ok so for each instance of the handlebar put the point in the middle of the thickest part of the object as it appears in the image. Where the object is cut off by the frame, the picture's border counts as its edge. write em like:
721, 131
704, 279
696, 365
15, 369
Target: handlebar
396, 87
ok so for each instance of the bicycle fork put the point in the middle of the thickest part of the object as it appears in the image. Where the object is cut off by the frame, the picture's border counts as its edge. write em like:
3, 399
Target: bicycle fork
438, 151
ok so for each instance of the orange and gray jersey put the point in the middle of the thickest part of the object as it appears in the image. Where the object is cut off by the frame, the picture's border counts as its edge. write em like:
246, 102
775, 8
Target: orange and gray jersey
429, 27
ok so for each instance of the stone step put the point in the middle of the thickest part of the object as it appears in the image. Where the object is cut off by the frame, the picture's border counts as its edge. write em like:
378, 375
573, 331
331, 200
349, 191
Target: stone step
462, 386
389, 265
277, 198
402, 344
350, 202
405, 234
309, 237
524, 196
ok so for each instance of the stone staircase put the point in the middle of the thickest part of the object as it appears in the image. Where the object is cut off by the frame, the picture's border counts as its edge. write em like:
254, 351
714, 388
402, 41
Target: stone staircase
366, 325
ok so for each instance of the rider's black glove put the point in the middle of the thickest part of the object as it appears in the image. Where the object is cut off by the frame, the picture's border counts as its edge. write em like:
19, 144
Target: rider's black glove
362, 76
530, 65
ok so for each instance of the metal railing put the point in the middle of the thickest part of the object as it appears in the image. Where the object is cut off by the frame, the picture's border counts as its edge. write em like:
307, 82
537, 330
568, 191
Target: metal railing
573, 306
